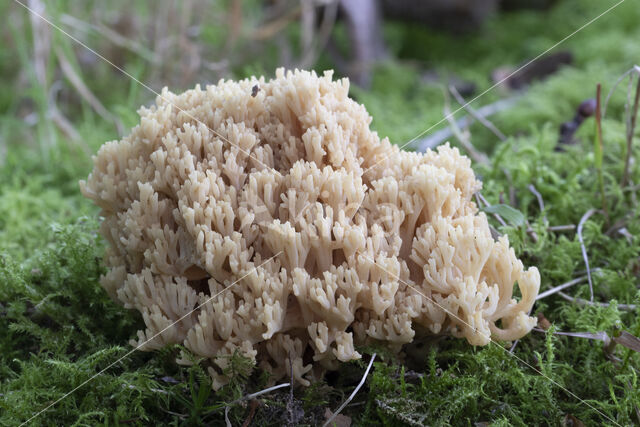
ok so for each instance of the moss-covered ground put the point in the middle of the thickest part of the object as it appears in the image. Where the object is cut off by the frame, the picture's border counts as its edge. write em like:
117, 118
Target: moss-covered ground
58, 328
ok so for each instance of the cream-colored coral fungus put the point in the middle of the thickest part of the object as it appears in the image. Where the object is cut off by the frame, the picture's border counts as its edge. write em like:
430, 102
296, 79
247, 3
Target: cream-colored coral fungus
214, 182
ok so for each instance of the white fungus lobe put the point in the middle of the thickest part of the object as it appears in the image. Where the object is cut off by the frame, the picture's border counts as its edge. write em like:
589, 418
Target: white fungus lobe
371, 243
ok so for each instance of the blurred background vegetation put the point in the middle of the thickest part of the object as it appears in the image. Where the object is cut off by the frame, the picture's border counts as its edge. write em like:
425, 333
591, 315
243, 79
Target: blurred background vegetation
409, 64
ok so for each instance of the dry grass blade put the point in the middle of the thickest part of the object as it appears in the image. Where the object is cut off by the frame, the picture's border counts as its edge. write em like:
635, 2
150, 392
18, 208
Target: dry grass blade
561, 287
584, 218
442, 135
324, 33
252, 411
598, 336
463, 137
65, 126
627, 340
473, 113
250, 397
560, 228
41, 42
624, 338
272, 28
84, 91
633, 70
631, 127
41, 54
536, 193
580, 301
480, 198
111, 35
346, 402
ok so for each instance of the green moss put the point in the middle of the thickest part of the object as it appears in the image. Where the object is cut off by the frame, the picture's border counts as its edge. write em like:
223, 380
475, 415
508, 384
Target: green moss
58, 328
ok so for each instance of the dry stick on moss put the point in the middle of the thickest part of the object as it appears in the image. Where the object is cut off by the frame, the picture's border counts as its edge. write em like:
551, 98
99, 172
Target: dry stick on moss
480, 198
561, 287
512, 191
252, 412
475, 155
41, 54
494, 233
250, 397
580, 301
597, 336
442, 135
584, 218
473, 113
631, 127
60, 120
346, 402
559, 228
112, 36
84, 91
599, 151
536, 193
633, 70
290, 420
316, 46
270, 29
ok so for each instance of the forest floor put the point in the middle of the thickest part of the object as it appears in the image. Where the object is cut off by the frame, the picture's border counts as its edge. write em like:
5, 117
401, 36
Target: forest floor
560, 203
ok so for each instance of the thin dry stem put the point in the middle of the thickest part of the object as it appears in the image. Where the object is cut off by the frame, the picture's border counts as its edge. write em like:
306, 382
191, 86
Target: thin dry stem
631, 127
536, 193
635, 69
463, 138
480, 198
346, 402
112, 36
442, 135
580, 301
84, 91
559, 228
473, 113
561, 287
584, 218
250, 397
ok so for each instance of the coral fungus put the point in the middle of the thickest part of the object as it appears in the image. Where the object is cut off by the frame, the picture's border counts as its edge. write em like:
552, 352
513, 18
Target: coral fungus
313, 234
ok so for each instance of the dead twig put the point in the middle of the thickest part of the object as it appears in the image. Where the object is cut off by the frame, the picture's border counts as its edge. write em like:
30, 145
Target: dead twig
65, 126
84, 91
536, 193
597, 336
561, 287
635, 69
584, 218
324, 33
252, 412
622, 338
473, 113
480, 198
461, 136
580, 301
250, 397
438, 137
270, 29
512, 191
631, 127
41, 53
41, 42
346, 402
559, 228
114, 37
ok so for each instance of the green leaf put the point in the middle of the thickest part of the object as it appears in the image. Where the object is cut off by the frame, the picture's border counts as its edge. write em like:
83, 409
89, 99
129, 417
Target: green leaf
509, 214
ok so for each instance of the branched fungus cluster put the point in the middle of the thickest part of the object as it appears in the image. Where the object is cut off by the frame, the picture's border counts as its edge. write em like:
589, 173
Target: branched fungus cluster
311, 234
